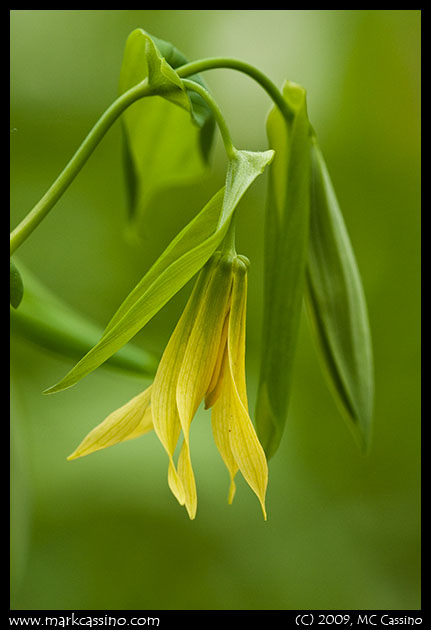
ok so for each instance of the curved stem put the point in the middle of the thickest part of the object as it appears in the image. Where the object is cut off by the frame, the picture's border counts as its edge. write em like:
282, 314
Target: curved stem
235, 64
227, 140
41, 209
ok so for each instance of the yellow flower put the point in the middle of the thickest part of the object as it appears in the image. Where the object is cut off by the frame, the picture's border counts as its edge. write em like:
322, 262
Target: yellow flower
204, 360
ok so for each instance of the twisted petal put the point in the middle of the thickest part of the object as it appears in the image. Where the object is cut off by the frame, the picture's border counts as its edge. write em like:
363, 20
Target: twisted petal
203, 347
185, 473
232, 422
214, 388
126, 423
220, 426
163, 398
199, 361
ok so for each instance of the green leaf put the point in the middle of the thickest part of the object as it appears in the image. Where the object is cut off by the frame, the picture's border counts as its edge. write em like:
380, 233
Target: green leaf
16, 286
202, 114
286, 246
208, 228
167, 140
142, 60
47, 321
336, 303
180, 261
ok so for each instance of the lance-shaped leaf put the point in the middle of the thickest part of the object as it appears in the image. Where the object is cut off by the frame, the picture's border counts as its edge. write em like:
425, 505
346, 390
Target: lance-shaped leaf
47, 321
180, 261
286, 244
167, 140
337, 305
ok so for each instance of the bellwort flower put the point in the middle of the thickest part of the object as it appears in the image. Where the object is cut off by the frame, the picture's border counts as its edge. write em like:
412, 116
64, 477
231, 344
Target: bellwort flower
204, 360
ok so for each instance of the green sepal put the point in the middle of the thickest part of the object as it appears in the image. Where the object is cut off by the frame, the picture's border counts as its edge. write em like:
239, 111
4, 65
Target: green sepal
16, 286
337, 307
47, 321
286, 246
181, 260
167, 141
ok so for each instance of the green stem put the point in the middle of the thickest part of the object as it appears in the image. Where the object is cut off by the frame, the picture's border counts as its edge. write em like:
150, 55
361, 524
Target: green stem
41, 209
228, 243
221, 122
235, 64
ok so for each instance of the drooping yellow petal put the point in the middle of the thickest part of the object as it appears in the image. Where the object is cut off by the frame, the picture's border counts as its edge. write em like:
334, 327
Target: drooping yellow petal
202, 351
243, 440
163, 399
199, 360
221, 422
214, 388
237, 326
174, 482
126, 423
145, 425
185, 473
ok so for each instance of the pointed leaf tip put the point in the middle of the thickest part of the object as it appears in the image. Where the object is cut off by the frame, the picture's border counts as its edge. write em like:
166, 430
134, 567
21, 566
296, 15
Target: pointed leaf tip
337, 307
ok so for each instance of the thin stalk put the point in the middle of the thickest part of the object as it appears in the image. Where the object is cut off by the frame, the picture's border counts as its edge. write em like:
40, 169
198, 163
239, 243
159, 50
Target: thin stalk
265, 82
50, 198
221, 122
228, 243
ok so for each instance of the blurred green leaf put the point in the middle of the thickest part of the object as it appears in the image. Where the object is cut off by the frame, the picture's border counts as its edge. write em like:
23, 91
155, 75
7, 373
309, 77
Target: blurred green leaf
286, 245
180, 261
337, 307
16, 286
21, 489
47, 321
164, 144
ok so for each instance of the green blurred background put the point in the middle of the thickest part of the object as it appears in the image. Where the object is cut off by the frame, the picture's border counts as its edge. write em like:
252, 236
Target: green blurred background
105, 532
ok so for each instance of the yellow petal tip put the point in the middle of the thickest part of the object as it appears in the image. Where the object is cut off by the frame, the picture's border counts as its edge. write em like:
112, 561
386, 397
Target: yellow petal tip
191, 511
232, 490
